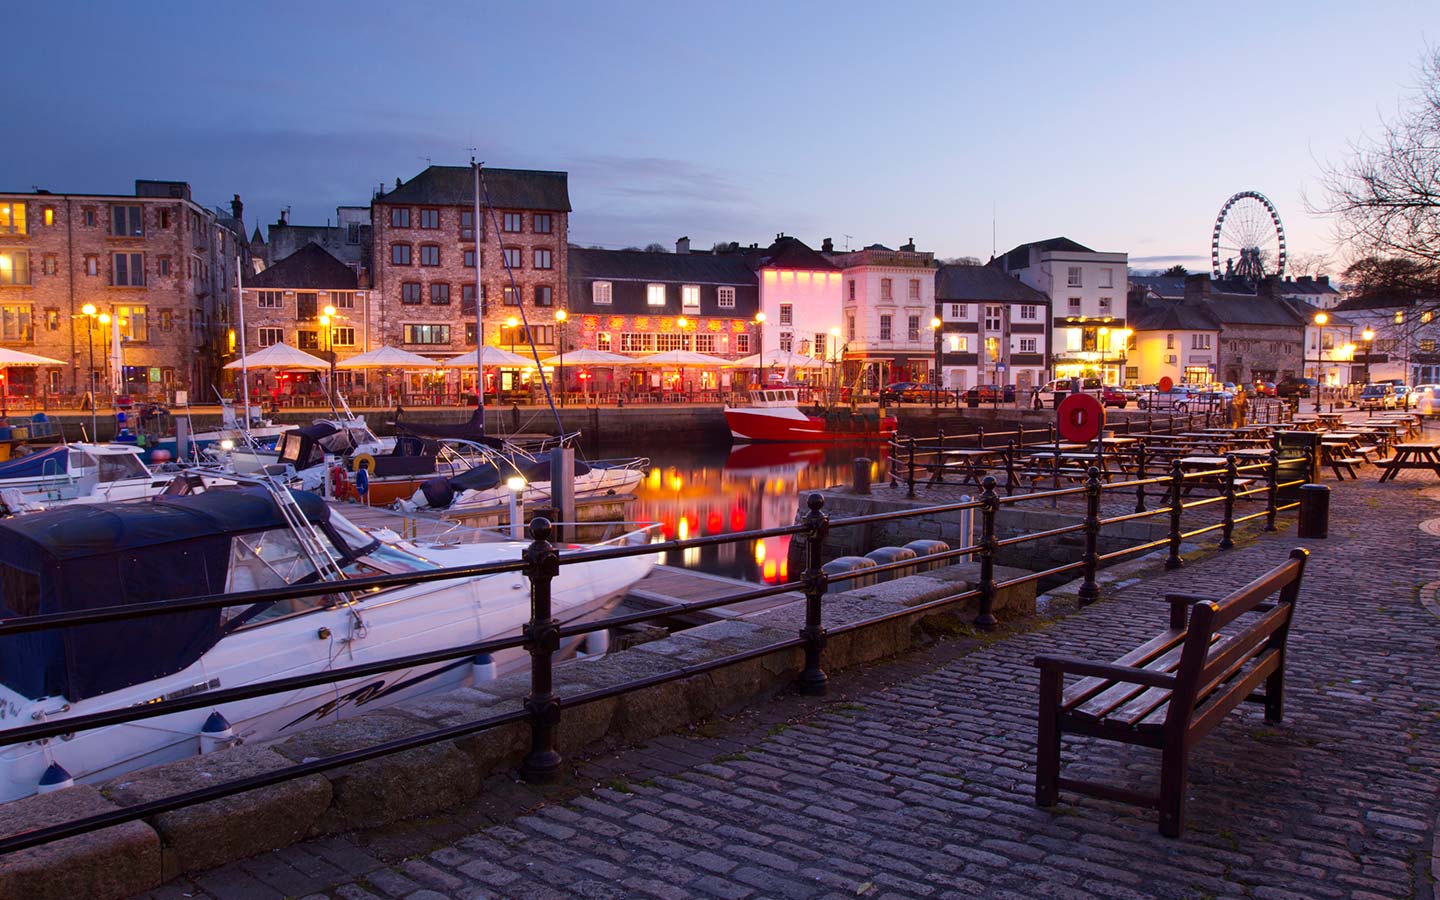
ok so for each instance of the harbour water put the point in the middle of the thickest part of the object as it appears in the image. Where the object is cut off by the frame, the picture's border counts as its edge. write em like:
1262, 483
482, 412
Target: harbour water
706, 490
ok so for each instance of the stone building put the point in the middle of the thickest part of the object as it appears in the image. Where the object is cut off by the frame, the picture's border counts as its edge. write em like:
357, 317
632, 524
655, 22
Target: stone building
1262, 337
424, 258
996, 328
887, 304
349, 240
157, 263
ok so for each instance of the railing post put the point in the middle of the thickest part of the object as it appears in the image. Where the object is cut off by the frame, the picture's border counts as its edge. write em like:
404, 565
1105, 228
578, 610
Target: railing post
980, 437
911, 479
989, 506
1020, 433
813, 679
1272, 489
1010, 468
542, 564
1089, 590
1227, 529
1140, 476
1177, 484
894, 457
939, 477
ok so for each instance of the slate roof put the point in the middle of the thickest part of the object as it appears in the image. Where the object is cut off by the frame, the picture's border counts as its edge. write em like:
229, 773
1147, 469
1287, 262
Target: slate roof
309, 268
637, 265
975, 283
1019, 257
1307, 312
789, 253
1166, 315
1168, 286
508, 188
1306, 285
1250, 309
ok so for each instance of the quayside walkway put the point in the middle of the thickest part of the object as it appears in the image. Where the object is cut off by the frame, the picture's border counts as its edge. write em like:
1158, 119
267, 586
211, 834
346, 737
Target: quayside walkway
915, 778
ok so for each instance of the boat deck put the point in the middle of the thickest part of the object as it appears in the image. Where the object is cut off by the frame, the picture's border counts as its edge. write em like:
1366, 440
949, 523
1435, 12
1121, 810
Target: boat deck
411, 525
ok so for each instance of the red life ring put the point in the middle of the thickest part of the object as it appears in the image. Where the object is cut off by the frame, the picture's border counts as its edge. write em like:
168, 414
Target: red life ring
1080, 417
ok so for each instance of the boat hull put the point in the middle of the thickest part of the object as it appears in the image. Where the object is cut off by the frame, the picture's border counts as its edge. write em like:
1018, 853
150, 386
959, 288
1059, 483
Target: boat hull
764, 425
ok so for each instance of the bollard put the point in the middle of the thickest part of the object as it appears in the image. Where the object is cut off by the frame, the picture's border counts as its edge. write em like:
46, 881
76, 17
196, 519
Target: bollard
1227, 529
1089, 590
989, 506
911, 478
812, 680
542, 564
885, 555
1010, 467
1314, 511
1177, 484
860, 482
1140, 476
939, 476
1272, 489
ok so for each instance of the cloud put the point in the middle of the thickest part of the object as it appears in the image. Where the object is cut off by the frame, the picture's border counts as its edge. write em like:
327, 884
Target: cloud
1172, 258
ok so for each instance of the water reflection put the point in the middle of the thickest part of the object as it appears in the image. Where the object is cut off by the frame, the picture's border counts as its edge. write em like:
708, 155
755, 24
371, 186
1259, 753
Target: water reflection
724, 490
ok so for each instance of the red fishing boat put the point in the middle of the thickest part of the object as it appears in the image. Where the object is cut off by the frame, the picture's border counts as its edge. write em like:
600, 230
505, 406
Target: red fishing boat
774, 414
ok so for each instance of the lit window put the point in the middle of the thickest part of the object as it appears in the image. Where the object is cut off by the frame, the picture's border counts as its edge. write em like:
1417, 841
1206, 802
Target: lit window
725, 298
690, 297
602, 341
271, 336
655, 295
1399, 318
15, 323
742, 343
49, 216
600, 293
134, 322
427, 334
342, 336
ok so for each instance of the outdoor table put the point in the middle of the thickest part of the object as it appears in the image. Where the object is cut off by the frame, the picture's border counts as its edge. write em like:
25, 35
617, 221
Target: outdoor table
975, 461
1412, 455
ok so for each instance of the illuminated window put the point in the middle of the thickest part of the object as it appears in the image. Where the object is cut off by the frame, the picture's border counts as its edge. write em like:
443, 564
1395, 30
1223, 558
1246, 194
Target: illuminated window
127, 269
429, 255
49, 265
1073, 279
134, 322
602, 341
440, 294
787, 314
511, 222
127, 221
427, 334
667, 342
992, 349
742, 343
600, 293
52, 319
959, 343
542, 258
543, 223
410, 292
655, 295
269, 337
15, 323
1399, 318
343, 336
690, 297
705, 343
399, 218
430, 218
49, 216
637, 342
307, 339
1427, 346
725, 298
269, 299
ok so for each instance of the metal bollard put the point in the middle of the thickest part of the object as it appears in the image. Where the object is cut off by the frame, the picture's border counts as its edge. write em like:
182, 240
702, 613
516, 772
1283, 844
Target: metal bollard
939, 477
989, 506
1314, 511
1177, 484
1272, 489
1227, 529
1089, 590
812, 680
542, 564
860, 481
911, 478
1140, 476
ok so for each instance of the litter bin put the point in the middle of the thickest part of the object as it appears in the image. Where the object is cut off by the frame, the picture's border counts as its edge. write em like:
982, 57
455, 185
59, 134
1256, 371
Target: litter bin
1314, 511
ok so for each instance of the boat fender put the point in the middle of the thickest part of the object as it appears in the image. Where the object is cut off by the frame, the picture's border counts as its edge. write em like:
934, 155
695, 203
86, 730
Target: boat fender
216, 734
55, 778
362, 481
439, 493
361, 461
482, 668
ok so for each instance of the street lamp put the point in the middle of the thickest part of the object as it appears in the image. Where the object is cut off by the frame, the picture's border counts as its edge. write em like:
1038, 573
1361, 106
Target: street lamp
680, 323
89, 311
561, 316
327, 316
760, 348
935, 325
1320, 320
835, 363
1369, 335
513, 324
1104, 336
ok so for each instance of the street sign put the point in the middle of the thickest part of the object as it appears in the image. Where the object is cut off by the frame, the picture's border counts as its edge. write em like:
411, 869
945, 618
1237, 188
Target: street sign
1167, 384
1081, 417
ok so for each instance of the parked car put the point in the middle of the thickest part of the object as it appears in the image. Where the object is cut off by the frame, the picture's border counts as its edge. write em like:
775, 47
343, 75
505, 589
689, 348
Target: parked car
1263, 389
1405, 397
1378, 396
991, 393
1179, 398
1051, 393
928, 393
895, 393
1420, 390
1295, 387
1117, 397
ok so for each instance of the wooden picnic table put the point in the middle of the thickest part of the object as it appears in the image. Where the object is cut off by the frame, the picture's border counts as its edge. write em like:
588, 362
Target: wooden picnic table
1412, 455
975, 461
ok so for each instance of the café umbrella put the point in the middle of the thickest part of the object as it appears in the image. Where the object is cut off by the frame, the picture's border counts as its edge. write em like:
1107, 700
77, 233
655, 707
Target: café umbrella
278, 356
586, 356
18, 358
680, 360
385, 359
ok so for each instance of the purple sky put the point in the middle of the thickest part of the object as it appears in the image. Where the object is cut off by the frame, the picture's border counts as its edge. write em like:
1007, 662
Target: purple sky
1124, 129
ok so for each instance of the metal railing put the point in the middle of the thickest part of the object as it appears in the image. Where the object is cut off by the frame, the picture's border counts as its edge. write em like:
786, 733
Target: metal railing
542, 635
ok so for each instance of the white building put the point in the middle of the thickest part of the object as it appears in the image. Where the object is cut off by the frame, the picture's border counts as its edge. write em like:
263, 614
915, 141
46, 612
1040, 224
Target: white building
995, 328
1406, 342
1087, 292
887, 304
799, 298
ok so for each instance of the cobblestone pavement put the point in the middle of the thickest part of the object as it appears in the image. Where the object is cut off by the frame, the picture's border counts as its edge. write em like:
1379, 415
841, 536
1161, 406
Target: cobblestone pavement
915, 778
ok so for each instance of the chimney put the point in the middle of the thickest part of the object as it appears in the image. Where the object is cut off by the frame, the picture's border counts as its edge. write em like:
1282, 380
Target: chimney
682, 245
1324, 280
1197, 286
283, 214
397, 182
908, 248
237, 208
827, 246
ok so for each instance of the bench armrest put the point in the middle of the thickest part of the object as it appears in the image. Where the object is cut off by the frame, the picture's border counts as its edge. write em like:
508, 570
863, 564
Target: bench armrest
1180, 602
1070, 666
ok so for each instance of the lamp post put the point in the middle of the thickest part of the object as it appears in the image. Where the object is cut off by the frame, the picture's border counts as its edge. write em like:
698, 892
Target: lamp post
561, 316
835, 363
89, 311
1320, 320
1369, 335
680, 323
760, 348
1104, 341
327, 316
935, 325
513, 324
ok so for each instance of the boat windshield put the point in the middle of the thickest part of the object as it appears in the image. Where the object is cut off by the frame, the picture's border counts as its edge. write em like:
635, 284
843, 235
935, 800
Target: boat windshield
265, 560
119, 466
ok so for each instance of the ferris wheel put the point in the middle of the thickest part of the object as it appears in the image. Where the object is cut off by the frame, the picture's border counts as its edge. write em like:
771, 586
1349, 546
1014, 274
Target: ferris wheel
1249, 241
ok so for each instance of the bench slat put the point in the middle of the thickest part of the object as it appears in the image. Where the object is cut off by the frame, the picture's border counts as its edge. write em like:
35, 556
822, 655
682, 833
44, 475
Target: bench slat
1153, 702
1086, 687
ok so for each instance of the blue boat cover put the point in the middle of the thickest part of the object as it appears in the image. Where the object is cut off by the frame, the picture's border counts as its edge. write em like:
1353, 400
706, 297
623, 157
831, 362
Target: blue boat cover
55, 461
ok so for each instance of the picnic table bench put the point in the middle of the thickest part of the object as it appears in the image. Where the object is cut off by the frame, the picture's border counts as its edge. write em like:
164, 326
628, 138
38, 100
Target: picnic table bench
1411, 455
1169, 692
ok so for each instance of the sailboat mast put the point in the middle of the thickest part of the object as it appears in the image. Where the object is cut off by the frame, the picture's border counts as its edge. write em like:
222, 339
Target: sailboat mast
478, 225
240, 302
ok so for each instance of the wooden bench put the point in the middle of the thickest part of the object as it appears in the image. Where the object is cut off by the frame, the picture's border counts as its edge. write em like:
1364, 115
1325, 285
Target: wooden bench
1173, 689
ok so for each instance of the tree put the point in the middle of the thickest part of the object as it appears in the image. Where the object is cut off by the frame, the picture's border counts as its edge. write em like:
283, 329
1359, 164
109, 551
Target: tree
656, 248
961, 261
1386, 196
1311, 264
1391, 280
1176, 271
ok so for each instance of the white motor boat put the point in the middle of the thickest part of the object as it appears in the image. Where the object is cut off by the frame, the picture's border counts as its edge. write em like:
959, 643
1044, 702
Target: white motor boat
94, 473
229, 540
489, 467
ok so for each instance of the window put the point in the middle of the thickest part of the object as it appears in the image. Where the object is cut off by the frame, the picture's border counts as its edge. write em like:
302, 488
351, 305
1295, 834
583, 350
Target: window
690, 297
742, 343
666, 342
1327, 341
959, 310
469, 261
307, 305
342, 336
600, 293
400, 254
787, 341
885, 327
430, 218
542, 258
1107, 278
399, 218
48, 216
510, 299
410, 292
49, 265
467, 299
128, 269
542, 223
269, 299
704, 343
1105, 304
165, 219
92, 267
1027, 345
269, 337
127, 221
544, 295
511, 222
440, 294
12, 218
1399, 318
1074, 279
467, 225
637, 342
1074, 305
88, 217
787, 314
725, 297
134, 322
655, 295
821, 345
307, 340
885, 289
914, 289
602, 341
912, 330
513, 258
1029, 313
470, 334
959, 343
167, 320
342, 299
1199, 342
1427, 345
352, 233
165, 266
427, 334
429, 255
992, 318
15, 323
850, 327
850, 290
52, 319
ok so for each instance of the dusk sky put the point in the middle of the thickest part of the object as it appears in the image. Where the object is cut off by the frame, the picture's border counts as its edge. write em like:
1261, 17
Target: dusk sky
1124, 127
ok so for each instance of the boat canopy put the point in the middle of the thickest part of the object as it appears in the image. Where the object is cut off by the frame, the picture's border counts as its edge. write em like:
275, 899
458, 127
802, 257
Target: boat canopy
473, 429
84, 557
54, 461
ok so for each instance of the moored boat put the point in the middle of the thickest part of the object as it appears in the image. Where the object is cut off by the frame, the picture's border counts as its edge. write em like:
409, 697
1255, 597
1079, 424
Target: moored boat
774, 414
